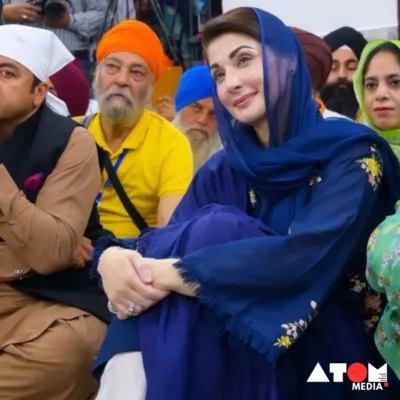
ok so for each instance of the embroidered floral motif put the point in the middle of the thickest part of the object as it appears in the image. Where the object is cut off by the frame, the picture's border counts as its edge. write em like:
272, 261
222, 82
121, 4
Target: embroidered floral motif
283, 341
34, 182
253, 198
387, 259
372, 239
380, 334
293, 330
373, 309
357, 284
316, 179
372, 300
373, 167
388, 332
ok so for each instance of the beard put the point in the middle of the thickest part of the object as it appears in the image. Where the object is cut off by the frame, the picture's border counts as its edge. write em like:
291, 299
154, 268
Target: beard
118, 104
339, 96
203, 142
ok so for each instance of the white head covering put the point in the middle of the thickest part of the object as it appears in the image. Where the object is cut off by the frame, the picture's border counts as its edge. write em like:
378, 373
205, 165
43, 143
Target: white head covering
38, 50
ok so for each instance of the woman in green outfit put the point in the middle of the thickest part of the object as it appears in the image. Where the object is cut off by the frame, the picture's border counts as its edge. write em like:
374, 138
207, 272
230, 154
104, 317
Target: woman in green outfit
377, 87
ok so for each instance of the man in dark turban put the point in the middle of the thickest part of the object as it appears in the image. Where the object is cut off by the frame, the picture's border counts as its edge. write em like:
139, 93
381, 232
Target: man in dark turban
71, 86
338, 94
319, 62
318, 57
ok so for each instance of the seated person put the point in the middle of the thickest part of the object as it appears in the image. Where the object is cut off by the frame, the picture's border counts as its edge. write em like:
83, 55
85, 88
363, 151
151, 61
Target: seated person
250, 285
151, 158
193, 113
50, 175
319, 61
71, 86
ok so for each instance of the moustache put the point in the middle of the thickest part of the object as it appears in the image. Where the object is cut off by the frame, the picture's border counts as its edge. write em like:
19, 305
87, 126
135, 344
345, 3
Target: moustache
339, 86
198, 128
339, 96
119, 92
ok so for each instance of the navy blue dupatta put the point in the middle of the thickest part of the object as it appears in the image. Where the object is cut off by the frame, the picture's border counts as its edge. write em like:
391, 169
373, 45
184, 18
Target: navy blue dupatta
264, 280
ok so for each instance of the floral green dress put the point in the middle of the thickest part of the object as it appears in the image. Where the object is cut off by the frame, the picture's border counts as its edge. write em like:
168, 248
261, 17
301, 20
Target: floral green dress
383, 274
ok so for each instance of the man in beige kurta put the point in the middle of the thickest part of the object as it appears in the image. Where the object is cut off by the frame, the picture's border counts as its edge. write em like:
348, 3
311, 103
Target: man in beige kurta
46, 349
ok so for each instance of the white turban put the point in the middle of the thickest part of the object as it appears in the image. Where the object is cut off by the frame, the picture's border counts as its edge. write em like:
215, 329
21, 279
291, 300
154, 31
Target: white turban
38, 50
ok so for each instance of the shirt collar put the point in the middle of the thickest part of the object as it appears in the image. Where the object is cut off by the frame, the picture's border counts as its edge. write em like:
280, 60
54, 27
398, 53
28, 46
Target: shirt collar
132, 141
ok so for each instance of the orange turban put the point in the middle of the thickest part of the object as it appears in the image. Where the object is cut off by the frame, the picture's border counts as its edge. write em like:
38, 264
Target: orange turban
133, 37
167, 62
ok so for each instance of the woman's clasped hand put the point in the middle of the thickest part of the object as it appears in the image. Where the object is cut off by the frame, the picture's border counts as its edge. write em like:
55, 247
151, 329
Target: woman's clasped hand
128, 281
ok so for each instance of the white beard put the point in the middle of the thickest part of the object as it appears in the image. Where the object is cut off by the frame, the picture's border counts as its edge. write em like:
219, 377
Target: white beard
119, 110
202, 149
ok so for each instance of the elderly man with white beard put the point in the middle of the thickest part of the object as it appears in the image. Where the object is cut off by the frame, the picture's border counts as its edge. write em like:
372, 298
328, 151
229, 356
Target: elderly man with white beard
150, 163
195, 113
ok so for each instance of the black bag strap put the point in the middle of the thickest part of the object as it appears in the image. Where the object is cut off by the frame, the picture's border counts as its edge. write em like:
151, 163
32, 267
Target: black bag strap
128, 205
132, 211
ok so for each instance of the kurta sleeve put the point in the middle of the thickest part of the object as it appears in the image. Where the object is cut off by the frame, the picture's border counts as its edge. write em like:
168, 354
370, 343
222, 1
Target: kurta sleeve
259, 289
46, 233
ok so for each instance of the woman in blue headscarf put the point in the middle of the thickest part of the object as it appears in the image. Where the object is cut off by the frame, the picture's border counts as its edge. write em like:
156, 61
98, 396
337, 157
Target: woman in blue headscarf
261, 267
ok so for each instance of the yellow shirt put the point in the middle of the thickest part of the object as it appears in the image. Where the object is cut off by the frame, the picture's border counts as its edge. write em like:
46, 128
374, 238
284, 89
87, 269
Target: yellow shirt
158, 163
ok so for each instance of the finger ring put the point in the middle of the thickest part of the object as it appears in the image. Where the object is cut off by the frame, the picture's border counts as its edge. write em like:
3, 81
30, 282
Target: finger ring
131, 309
111, 308
24, 16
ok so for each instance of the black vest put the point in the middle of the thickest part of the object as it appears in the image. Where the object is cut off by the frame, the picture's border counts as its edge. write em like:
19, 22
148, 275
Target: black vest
36, 146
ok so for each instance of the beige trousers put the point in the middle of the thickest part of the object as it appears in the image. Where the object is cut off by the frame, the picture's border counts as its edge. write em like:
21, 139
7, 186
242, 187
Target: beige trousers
57, 365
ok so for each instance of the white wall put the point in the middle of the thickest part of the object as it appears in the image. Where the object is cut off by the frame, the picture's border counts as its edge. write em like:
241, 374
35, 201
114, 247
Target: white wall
377, 19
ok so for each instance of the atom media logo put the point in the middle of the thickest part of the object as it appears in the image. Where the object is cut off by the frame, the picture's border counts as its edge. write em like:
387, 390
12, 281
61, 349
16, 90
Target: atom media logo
357, 373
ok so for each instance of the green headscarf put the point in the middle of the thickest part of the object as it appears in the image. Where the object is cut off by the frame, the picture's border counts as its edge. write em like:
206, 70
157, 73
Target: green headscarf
392, 136
383, 266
